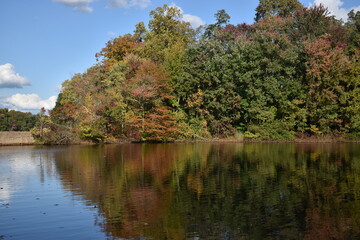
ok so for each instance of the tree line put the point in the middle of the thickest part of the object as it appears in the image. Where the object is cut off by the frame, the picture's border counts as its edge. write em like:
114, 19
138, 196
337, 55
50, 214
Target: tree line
294, 72
12, 120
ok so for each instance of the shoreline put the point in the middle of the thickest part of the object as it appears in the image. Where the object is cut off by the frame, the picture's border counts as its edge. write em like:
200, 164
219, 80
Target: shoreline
26, 139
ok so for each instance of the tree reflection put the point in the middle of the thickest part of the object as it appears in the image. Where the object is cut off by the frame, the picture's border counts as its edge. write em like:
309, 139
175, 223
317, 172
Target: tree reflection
218, 191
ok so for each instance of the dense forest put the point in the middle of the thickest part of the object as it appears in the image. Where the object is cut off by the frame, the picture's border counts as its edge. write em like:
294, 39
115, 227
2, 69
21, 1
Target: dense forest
294, 72
11, 120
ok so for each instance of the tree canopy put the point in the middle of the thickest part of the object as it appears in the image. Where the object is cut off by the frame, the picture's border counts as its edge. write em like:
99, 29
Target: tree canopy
294, 72
11, 120
282, 8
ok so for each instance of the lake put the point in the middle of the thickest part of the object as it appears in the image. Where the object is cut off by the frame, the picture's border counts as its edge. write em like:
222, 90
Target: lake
181, 191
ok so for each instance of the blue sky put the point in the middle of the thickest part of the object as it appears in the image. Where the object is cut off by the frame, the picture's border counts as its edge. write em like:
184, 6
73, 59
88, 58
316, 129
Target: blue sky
44, 42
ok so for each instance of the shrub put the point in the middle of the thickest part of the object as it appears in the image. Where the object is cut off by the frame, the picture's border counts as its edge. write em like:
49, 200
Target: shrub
275, 130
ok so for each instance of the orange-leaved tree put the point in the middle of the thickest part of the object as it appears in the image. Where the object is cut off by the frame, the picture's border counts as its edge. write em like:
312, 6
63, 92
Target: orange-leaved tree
147, 92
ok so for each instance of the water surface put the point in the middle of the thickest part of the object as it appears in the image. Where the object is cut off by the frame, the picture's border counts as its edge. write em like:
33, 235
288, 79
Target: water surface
181, 191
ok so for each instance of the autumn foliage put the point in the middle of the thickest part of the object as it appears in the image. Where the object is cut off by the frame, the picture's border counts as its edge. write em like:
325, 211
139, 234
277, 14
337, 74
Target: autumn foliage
294, 72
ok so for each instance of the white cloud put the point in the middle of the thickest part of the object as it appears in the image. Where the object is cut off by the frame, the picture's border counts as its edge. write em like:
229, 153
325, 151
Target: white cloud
10, 79
78, 5
118, 4
20, 165
58, 87
194, 21
129, 3
336, 9
29, 102
113, 34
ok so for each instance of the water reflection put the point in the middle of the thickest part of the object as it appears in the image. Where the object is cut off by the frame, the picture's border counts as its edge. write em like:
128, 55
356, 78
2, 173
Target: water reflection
218, 191
17, 165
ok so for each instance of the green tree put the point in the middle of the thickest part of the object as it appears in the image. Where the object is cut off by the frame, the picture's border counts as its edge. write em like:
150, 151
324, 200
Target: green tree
273, 95
167, 32
222, 19
353, 26
11, 120
140, 32
282, 8
208, 89
350, 98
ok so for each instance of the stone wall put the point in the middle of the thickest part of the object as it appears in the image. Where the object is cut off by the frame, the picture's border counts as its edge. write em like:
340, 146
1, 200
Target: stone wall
16, 138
